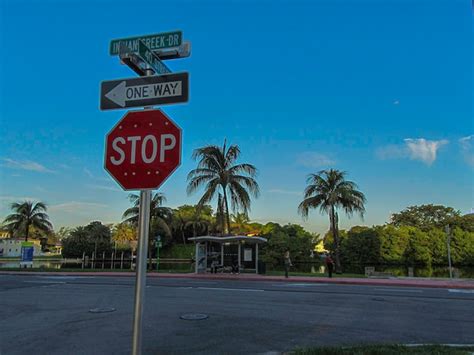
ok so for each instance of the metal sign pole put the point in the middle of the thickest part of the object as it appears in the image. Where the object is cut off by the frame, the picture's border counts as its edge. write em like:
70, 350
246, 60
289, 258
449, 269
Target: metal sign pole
448, 241
140, 283
143, 231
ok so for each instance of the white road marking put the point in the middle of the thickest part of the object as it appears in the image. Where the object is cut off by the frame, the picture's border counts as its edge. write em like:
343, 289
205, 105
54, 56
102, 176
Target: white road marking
457, 290
230, 289
46, 282
397, 290
65, 277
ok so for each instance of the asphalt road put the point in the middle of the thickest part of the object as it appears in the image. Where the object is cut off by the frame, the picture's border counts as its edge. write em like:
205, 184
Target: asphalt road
51, 315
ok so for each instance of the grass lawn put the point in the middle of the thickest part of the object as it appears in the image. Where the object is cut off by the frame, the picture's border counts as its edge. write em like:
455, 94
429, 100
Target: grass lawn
386, 350
282, 273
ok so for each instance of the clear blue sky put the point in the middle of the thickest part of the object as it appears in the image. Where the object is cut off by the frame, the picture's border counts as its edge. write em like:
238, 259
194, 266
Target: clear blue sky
380, 89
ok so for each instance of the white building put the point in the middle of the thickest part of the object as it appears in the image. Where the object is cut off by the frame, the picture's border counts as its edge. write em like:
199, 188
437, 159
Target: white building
11, 247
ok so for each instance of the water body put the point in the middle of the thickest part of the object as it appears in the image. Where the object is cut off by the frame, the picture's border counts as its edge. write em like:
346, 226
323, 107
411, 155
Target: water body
395, 270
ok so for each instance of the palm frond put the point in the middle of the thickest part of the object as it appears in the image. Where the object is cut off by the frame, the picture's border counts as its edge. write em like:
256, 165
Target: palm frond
244, 168
197, 181
310, 203
209, 193
239, 197
248, 182
232, 154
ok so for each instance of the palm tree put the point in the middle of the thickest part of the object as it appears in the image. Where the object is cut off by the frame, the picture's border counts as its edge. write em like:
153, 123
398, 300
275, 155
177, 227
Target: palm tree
196, 222
160, 216
329, 190
28, 214
218, 172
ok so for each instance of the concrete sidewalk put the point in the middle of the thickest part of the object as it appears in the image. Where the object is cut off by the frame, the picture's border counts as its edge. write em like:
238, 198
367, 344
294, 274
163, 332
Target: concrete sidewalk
403, 282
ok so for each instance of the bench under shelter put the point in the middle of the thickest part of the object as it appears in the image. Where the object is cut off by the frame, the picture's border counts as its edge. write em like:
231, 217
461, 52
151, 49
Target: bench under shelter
222, 252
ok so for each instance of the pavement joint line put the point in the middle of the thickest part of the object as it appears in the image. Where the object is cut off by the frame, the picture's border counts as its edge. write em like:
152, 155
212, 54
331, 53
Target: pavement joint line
396, 290
230, 289
299, 284
456, 290
45, 282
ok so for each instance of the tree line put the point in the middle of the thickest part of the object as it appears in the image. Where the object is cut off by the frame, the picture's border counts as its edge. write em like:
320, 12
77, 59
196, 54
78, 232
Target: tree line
413, 235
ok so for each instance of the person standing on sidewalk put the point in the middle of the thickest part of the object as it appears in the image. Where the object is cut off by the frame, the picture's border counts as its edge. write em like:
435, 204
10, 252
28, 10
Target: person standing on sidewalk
329, 264
288, 263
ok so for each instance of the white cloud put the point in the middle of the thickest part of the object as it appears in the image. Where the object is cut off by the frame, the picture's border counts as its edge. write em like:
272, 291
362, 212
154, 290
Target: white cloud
88, 173
76, 207
285, 192
423, 149
416, 149
314, 160
25, 165
467, 148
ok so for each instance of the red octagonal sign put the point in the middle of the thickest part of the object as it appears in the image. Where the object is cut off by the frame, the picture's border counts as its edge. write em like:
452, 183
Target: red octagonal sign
143, 149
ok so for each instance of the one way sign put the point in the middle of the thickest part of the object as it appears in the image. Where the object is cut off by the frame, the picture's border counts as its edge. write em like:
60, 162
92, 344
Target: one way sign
144, 91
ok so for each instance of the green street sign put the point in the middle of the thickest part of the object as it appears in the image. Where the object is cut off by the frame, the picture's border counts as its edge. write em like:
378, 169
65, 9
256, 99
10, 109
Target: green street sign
152, 59
153, 42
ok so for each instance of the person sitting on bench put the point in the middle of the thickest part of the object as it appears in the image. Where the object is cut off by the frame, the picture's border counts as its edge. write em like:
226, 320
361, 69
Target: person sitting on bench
235, 266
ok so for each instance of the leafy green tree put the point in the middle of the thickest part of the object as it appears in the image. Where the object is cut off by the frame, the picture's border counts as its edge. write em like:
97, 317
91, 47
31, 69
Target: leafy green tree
465, 222
290, 237
393, 243
63, 232
240, 223
462, 246
418, 250
160, 219
124, 234
328, 190
181, 216
362, 246
95, 237
425, 217
218, 172
26, 215
197, 219
198, 223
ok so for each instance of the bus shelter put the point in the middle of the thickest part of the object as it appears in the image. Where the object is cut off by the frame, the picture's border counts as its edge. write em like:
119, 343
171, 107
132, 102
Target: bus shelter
222, 253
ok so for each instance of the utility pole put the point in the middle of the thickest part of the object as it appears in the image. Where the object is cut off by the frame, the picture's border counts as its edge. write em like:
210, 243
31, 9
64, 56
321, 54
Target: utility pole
448, 242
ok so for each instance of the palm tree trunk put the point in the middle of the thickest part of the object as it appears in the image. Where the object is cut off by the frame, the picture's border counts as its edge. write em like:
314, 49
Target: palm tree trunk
227, 217
27, 232
182, 235
335, 235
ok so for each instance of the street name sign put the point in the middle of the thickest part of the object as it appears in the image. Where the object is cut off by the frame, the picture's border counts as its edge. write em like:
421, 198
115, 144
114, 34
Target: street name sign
143, 149
144, 91
154, 42
152, 59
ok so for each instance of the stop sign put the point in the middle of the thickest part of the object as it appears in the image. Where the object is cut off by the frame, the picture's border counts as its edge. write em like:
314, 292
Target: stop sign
143, 149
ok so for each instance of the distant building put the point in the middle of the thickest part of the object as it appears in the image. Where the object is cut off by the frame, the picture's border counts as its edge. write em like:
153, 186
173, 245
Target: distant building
319, 248
4, 234
11, 247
